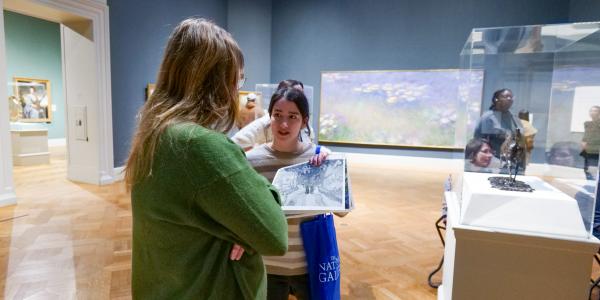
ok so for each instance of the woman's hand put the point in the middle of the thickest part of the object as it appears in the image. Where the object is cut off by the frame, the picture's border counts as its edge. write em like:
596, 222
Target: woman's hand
319, 157
236, 252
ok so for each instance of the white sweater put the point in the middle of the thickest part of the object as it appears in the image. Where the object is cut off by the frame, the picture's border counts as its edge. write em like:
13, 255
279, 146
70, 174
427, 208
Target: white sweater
258, 132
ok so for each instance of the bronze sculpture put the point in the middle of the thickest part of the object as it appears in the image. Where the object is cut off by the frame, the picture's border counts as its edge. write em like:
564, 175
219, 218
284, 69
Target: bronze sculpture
512, 155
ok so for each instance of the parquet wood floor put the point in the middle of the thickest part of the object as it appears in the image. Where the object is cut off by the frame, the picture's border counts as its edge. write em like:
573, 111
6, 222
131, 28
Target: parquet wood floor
66, 240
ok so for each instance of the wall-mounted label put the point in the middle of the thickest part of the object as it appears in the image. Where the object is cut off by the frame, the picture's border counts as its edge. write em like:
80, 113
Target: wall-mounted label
80, 123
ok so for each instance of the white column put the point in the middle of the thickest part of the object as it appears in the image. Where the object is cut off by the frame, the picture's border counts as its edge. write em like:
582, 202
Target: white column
7, 190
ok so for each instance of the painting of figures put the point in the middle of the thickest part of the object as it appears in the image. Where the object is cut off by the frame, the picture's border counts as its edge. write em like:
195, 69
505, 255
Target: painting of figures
31, 101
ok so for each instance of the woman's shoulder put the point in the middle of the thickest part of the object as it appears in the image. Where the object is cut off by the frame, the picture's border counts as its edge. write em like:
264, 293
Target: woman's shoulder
190, 131
488, 114
309, 148
185, 129
250, 134
200, 147
258, 152
188, 134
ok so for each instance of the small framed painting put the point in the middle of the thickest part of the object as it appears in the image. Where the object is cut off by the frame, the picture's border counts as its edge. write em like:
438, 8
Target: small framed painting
149, 90
31, 101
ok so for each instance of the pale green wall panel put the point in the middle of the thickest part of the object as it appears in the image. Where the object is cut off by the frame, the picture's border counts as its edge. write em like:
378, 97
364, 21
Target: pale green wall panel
33, 50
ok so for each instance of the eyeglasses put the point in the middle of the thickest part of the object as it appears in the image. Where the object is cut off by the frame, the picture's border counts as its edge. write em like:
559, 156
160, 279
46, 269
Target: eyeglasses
241, 82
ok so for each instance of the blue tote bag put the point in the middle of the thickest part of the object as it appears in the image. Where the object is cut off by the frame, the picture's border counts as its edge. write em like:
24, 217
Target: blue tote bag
322, 257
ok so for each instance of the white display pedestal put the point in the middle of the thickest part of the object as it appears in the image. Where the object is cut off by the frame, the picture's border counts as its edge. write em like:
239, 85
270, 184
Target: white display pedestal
485, 263
546, 210
30, 147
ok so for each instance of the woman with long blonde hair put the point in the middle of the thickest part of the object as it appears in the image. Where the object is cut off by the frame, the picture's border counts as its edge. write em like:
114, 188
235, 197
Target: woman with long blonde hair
193, 193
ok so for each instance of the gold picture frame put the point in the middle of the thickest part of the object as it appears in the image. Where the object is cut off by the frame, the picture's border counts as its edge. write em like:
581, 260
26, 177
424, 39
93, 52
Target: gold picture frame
32, 100
249, 113
149, 90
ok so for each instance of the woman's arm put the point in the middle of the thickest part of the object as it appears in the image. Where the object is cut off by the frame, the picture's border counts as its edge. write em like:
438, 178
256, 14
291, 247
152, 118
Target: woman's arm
250, 209
252, 133
231, 193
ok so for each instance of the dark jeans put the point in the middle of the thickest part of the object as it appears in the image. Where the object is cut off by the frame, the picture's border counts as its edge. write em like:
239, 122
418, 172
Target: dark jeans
590, 160
279, 287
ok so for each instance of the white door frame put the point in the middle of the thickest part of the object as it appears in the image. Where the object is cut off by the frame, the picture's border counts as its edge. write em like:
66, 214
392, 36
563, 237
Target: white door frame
97, 12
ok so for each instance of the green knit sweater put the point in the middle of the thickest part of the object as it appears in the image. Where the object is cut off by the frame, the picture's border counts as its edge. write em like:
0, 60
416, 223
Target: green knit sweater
201, 198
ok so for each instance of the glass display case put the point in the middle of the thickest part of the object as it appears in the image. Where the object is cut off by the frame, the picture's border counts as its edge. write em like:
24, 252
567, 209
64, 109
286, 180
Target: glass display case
536, 117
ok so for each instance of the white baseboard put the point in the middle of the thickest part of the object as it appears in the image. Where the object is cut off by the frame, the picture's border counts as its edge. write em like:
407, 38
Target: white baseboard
8, 199
119, 174
57, 142
106, 180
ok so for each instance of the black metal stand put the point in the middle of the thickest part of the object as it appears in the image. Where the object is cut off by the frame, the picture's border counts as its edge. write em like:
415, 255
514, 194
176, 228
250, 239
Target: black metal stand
440, 225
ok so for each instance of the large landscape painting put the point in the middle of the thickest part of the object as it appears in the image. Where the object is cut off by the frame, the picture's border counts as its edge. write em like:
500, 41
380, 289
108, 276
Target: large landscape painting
395, 108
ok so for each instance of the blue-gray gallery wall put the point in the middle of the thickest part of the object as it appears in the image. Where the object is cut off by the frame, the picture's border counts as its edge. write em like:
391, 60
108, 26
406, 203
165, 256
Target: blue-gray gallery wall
307, 37
250, 24
584, 11
33, 51
139, 30
533, 76
322, 35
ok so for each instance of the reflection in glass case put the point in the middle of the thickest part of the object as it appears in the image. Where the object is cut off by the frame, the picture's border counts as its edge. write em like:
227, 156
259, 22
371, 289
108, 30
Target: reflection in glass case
532, 136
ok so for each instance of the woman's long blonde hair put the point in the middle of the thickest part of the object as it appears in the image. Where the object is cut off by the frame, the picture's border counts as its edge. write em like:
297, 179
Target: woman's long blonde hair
197, 82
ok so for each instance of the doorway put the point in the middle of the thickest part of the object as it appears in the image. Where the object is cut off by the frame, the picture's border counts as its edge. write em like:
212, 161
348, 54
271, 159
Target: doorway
86, 78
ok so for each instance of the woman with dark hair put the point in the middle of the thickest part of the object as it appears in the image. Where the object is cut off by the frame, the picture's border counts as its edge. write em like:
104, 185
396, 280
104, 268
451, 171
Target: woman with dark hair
193, 193
289, 111
498, 123
479, 157
291, 83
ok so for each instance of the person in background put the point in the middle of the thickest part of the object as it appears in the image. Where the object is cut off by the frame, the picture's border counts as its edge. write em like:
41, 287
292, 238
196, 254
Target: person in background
32, 108
15, 109
193, 194
529, 133
498, 123
590, 143
479, 157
